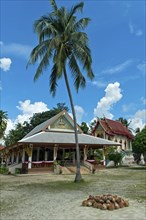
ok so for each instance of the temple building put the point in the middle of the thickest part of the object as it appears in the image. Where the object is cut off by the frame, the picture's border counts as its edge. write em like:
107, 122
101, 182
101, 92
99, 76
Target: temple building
114, 131
53, 142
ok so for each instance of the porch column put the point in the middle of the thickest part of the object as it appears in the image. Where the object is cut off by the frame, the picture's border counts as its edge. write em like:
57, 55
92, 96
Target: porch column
12, 157
55, 151
38, 153
8, 159
85, 152
29, 162
130, 145
46, 155
23, 155
29, 152
103, 153
17, 158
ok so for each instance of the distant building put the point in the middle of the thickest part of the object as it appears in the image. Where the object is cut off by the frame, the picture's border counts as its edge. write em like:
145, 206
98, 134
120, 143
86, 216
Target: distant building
114, 131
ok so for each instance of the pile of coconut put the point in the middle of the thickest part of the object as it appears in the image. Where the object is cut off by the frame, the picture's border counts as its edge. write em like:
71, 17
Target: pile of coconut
106, 202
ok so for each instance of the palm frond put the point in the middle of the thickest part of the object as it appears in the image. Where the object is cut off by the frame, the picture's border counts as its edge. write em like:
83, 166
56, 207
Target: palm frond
79, 80
60, 59
54, 5
53, 80
81, 24
39, 51
83, 54
44, 63
74, 9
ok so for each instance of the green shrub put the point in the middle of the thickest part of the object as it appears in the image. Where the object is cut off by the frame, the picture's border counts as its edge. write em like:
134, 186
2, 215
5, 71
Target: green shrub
4, 170
116, 157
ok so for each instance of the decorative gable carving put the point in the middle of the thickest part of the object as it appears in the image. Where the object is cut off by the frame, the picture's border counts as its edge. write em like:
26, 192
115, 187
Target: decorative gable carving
61, 123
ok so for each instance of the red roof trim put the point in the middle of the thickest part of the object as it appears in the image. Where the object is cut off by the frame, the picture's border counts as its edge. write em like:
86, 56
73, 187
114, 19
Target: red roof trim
113, 127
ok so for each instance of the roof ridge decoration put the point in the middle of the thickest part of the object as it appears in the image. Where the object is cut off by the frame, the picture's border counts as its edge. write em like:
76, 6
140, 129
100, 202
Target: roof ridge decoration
106, 121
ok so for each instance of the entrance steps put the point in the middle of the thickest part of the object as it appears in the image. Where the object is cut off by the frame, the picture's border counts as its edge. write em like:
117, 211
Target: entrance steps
41, 170
84, 170
65, 170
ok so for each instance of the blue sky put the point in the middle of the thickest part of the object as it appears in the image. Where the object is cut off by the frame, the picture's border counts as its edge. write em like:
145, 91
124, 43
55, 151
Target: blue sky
117, 41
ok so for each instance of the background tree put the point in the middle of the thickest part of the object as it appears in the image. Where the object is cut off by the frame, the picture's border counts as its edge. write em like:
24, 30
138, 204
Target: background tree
62, 41
84, 127
15, 134
124, 121
93, 124
60, 107
116, 157
3, 122
139, 145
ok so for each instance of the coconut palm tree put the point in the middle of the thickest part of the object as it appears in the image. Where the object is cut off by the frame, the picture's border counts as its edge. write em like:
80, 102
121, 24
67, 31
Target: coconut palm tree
3, 122
63, 43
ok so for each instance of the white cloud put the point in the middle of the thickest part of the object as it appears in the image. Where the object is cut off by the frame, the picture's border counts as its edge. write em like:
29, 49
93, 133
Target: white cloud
79, 113
128, 107
142, 67
99, 84
143, 100
16, 49
10, 125
138, 120
5, 63
27, 110
134, 30
118, 68
112, 96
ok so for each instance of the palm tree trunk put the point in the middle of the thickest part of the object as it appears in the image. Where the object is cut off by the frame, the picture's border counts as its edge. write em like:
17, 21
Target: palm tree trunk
78, 176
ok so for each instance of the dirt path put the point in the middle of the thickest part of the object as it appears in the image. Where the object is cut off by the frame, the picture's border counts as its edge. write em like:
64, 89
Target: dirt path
55, 197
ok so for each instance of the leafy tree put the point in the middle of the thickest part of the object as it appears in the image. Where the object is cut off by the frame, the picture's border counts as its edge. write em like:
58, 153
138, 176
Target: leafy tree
116, 157
62, 41
60, 107
15, 134
124, 122
93, 124
139, 145
84, 127
3, 122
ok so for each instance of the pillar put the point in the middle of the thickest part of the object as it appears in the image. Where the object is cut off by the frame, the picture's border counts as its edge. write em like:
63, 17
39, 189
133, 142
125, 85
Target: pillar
8, 159
85, 152
29, 162
23, 155
103, 153
17, 158
46, 155
38, 153
55, 151
29, 152
12, 157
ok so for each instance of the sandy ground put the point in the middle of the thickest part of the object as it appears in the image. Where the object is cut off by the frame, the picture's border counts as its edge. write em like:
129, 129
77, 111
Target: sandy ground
38, 197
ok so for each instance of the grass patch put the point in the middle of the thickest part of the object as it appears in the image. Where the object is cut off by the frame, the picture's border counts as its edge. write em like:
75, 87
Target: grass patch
55, 186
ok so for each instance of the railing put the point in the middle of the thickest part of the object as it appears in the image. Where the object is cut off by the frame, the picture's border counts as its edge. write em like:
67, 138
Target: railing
38, 164
88, 165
